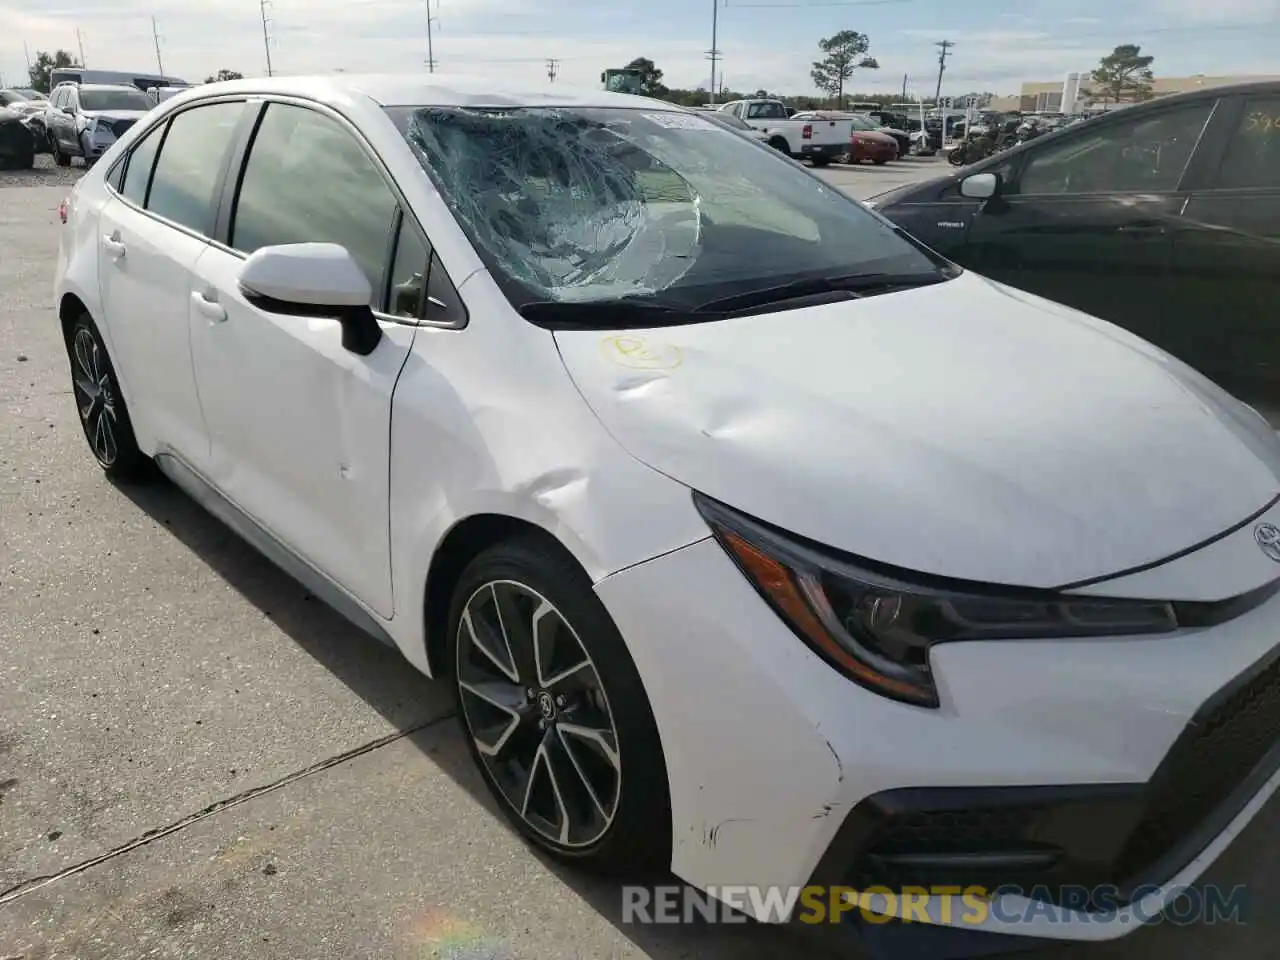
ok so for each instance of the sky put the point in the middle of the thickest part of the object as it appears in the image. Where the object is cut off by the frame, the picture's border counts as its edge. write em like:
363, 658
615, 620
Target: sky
767, 44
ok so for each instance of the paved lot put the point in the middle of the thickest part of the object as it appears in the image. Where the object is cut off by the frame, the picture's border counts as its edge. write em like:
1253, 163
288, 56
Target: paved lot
198, 760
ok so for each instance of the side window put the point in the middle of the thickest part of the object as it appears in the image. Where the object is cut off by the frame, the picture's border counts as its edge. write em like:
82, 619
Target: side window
137, 173
191, 160
71, 98
444, 305
56, 100
308, 180
408, 273
1253, 153
1148, 154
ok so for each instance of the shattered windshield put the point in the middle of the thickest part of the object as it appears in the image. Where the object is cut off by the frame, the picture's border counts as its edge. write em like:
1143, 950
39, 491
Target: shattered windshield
585, 205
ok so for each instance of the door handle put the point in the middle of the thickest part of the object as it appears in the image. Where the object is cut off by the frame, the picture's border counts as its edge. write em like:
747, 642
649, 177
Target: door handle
114, 246
212, 310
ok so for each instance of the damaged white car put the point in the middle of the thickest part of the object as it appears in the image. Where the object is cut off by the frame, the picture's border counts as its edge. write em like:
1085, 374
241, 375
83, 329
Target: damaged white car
760, 541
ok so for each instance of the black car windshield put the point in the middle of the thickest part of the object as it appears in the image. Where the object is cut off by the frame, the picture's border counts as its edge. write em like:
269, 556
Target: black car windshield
577, 206
114, 100
865, 123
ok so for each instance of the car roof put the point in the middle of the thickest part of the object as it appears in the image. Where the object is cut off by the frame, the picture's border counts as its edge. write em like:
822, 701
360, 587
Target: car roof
430, 89
104, 86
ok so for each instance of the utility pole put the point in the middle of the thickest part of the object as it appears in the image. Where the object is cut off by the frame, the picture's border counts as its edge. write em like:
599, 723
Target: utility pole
266, 37
431, 55
155, 33
553, 68
26, 52
714, 53
80, 42
904, 88
943, 47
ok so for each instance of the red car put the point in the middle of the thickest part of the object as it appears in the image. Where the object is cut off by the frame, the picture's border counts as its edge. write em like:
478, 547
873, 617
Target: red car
872, 145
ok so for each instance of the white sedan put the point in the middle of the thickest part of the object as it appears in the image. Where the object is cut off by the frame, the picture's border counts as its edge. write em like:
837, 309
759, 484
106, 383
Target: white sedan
760, 541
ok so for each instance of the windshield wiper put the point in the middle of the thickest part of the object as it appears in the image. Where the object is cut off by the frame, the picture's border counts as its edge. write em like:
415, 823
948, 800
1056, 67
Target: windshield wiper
604, 314
855, 284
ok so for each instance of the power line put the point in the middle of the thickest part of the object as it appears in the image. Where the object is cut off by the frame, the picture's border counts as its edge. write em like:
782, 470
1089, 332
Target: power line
944, 46
266, 37
155, 33
553, 68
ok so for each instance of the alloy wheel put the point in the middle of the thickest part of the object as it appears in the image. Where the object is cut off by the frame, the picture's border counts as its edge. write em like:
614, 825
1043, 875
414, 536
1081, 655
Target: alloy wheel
538, 714
94, 397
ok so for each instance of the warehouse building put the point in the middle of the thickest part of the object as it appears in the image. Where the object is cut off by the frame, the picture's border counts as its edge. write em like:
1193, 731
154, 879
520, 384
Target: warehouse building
1049, 96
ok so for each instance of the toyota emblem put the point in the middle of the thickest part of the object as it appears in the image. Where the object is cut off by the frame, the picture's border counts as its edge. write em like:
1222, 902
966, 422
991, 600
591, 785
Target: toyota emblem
1267, 536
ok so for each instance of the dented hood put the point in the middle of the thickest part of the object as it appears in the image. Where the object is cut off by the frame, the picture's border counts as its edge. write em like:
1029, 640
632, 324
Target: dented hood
965, 430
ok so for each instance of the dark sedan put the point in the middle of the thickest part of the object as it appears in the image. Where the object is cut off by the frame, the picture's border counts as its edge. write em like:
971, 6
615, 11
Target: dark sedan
1162, 217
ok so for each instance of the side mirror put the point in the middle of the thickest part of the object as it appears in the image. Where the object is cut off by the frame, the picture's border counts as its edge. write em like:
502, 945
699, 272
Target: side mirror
980, 186
314, 279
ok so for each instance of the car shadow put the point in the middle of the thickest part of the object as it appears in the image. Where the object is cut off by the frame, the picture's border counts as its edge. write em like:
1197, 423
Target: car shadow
391, 686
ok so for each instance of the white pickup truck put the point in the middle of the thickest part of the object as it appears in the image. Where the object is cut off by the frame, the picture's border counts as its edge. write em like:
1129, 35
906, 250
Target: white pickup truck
820, 141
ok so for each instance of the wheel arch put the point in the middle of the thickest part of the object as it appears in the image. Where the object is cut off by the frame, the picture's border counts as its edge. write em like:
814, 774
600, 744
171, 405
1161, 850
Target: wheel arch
462, 543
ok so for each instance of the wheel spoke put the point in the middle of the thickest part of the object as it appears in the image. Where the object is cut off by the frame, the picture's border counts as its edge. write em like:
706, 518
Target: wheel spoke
105, 420
557, 653
81, 350
603, 741
582, 774
542, 778
509, 601
494, 646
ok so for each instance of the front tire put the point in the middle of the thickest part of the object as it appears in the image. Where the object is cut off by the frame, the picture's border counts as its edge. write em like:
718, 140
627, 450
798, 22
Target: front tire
59, 158
820, 161
554, 712
100, 404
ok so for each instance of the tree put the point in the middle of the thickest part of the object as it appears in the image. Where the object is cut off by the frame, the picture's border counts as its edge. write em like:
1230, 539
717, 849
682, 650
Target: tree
224, 74
1124, 71
650, 79
43, 66
844, 52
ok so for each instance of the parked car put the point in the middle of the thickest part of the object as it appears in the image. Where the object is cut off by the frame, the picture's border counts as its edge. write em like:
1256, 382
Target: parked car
17, 150
1163, 218
868, 142
864, 124
757, 540
819, 141
29, 107
84, 120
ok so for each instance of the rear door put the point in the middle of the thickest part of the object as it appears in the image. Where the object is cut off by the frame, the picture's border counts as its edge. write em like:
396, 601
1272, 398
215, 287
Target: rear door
1088, 218
152, 233
1226, 283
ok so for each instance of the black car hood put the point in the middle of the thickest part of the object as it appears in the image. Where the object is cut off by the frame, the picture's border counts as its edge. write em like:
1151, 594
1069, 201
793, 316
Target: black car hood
913, 192
7, 115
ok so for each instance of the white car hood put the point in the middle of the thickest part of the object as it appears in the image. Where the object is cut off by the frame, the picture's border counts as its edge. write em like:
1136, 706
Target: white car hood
965, 430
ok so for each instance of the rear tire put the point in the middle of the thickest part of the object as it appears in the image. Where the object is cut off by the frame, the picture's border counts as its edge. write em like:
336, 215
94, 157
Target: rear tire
820, 161
100, 405
781, 145
554, 712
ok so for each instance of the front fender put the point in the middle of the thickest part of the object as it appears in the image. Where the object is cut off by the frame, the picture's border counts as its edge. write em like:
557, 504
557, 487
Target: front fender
487, 421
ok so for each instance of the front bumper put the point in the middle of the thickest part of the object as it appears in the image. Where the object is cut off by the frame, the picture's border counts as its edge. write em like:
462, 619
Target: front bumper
1113, 763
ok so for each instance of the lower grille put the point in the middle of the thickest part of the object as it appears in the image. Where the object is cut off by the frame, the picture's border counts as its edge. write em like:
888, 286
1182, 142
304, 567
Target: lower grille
1213, 756
118, 127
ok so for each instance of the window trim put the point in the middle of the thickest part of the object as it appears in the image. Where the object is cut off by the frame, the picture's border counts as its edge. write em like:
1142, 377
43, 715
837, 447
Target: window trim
1107, 124
166, 122
235, 177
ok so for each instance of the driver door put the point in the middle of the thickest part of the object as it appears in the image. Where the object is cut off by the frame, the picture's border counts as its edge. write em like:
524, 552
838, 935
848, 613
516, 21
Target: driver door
1088, 219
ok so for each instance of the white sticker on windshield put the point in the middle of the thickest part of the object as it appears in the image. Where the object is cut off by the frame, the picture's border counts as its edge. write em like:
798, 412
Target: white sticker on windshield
680, 121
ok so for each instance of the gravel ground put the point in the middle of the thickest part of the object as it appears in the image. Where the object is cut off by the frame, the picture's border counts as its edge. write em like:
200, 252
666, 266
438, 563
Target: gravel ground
44, 174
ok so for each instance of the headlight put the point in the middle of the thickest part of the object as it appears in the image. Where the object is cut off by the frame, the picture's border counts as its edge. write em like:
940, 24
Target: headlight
876, 624
87, 124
